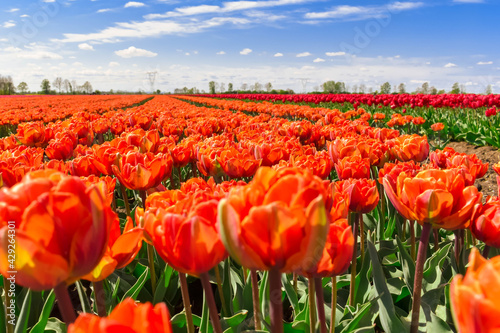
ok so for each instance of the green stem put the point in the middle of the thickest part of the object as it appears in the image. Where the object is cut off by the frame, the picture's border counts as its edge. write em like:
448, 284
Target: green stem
180, 175
320, 304
187, 302
334, 305
221, 293
362, 235
354, 258
295, 282
276, 305
419, 270
212, 307
312, 305
436, 239
412, 239
125, 199
151, 260
64, 303
255, 299
100, 298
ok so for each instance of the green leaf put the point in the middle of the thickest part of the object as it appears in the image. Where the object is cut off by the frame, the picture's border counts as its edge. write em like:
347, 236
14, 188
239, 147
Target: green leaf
407, 264
361, 314
290, 292
236, 320
226, 286
205, 326
84, 301
388, 318
22, 320
363, 286
55, 325
136, 288
162, 285
433, 267
44, 316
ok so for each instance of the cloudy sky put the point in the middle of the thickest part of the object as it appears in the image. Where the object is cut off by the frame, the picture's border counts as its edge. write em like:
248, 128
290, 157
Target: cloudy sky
114, 44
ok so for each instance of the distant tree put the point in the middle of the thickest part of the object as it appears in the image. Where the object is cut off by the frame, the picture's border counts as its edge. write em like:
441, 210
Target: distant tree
67, 86
425, 88
45, 85
257, 87
6, 85
230, 87
402, 88
328, 87
362, 88
269, 86
22, 87
158, 91
355, 89
74, 87
488, 90
462, 89
385, 88
87, 88
211, 87
244, 86
455, 89
433, 90
58, 83
222, 87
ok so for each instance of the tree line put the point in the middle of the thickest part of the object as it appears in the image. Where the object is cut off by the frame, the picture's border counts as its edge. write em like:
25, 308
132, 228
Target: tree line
7, 87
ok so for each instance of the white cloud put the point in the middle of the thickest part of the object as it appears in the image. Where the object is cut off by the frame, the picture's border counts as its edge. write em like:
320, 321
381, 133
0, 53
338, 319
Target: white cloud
113, 64
4, 40
304, 54
150, 29
12, 10
24, 16
32, 52
363, 12
9, 24
77, 64
86, 47
48, 1
485, 63
450, 65
104, 10
221, 53
134, 4
335, 54
133, 52
278, 54
225, 8
319, 60
246, 51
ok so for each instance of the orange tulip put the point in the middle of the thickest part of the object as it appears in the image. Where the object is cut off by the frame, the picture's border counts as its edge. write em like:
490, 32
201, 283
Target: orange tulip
138, 171
278, 221
83, 166
105, 157
34, 134
121, 250
363, 194
61, 229
391, 171
60, 149
485, 224
438, 197
185, 234
410, 147
337, 253
439, 157
474, 298
437, 127
127, 317
470, 162
353, 167
238, 164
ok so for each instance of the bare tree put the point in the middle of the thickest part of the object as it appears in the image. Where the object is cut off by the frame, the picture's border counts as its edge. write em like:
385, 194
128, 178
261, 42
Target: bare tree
67, 86
269, 86
58, 83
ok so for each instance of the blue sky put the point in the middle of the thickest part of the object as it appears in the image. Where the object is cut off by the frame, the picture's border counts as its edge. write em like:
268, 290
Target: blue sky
113, 44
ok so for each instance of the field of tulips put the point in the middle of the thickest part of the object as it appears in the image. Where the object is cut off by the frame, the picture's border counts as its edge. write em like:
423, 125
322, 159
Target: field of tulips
199, 214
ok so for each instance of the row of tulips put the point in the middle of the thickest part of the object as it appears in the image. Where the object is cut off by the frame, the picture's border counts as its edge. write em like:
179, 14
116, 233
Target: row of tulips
279, 222
394, 100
